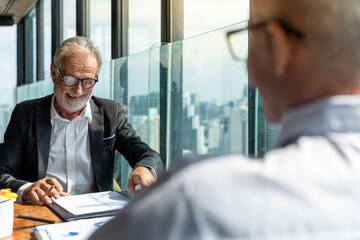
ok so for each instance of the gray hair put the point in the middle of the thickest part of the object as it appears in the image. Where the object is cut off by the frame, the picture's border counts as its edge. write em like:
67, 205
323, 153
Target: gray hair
74, 44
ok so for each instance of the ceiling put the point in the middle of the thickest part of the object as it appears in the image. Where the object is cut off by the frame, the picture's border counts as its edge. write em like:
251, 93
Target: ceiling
17, 8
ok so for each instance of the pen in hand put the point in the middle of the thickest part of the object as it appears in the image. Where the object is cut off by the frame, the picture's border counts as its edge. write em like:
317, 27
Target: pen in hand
35, 219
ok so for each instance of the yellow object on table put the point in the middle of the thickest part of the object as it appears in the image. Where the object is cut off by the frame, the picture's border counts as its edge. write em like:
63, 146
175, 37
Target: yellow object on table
6, 194
7, 199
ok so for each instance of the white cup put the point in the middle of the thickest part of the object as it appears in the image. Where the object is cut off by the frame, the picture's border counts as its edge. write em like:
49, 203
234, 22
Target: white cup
6, 217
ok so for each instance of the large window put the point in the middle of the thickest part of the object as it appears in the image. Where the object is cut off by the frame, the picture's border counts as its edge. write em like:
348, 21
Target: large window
30, 46
144, 24
7, 76
100, 26
193, 84
69, 19
202, 16
47, 38
215, 100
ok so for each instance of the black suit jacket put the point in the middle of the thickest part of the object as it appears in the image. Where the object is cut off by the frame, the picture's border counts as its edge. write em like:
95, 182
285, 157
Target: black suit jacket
25, 152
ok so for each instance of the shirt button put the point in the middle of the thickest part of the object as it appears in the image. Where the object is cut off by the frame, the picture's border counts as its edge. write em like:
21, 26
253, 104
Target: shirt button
70, 168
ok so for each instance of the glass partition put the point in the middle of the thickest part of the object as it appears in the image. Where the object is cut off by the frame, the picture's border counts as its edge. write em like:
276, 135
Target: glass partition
103, 88
154, 98
187, 97
214, 96
266, 134
140, 102
34, 90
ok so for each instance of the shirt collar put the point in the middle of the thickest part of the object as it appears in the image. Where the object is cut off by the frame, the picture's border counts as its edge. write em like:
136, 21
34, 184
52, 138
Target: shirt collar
332, 114
86, 113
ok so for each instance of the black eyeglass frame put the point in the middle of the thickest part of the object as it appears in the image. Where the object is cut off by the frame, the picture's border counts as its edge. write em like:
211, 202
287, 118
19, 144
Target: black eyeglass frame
289, 29
78, 79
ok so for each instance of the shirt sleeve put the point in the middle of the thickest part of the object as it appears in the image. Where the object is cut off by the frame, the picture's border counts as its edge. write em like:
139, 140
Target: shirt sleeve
20, 191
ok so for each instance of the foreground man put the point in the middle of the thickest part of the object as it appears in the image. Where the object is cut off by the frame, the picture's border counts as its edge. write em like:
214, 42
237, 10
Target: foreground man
304, 58
65, 143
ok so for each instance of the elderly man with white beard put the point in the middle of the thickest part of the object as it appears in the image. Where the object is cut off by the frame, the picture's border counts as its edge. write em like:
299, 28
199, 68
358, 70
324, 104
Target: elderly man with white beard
65, 143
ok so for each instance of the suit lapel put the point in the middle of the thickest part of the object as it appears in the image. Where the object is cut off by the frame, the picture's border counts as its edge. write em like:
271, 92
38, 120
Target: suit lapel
43, 134
96, 129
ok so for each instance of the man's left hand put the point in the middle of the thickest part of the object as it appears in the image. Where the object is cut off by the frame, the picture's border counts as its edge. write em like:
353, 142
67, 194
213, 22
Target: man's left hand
140, 176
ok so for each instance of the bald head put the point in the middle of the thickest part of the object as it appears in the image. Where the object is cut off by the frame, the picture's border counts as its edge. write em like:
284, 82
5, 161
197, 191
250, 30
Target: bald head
322, 61
330, 28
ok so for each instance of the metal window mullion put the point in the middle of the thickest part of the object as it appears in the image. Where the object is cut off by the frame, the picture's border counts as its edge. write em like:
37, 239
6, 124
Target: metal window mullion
21, 52
119, 41
83, 18
115, 29
28, 49
172, 20
56, 25
40, 40
119, 28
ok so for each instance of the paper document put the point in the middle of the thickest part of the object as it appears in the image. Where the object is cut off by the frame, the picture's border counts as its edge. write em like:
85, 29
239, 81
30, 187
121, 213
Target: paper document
92, 202
75, 230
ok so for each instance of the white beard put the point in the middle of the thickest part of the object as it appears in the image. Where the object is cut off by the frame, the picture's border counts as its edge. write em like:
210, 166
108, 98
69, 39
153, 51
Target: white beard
71, 105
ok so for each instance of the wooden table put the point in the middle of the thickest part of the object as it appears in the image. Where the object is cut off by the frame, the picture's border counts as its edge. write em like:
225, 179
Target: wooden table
29, 210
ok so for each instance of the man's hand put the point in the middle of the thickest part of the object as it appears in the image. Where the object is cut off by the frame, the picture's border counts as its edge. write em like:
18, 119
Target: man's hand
140, 176
41, 191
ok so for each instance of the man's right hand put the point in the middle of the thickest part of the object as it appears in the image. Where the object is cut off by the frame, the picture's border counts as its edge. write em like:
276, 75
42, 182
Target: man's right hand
41, 191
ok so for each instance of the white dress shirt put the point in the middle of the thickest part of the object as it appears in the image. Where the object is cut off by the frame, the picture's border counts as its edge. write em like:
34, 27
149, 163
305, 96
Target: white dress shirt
307, 189
69, 156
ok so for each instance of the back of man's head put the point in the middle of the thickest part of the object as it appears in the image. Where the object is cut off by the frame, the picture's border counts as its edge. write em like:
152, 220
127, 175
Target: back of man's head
330, 29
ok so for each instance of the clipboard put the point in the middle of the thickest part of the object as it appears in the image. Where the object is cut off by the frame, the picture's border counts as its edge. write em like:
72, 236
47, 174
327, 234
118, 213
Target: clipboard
91, 205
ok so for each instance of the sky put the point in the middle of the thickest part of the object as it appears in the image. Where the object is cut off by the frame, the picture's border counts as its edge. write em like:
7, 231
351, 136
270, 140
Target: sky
201, 16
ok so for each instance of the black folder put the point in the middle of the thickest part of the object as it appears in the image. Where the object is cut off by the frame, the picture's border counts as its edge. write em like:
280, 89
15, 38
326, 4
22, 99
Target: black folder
67, 216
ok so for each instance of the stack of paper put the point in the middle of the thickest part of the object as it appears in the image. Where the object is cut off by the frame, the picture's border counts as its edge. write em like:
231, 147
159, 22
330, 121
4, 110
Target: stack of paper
89, 205
75, 230
92, 202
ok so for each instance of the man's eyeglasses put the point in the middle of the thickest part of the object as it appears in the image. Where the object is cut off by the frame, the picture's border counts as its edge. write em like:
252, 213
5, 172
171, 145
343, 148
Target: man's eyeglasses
238, 39
70, 80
